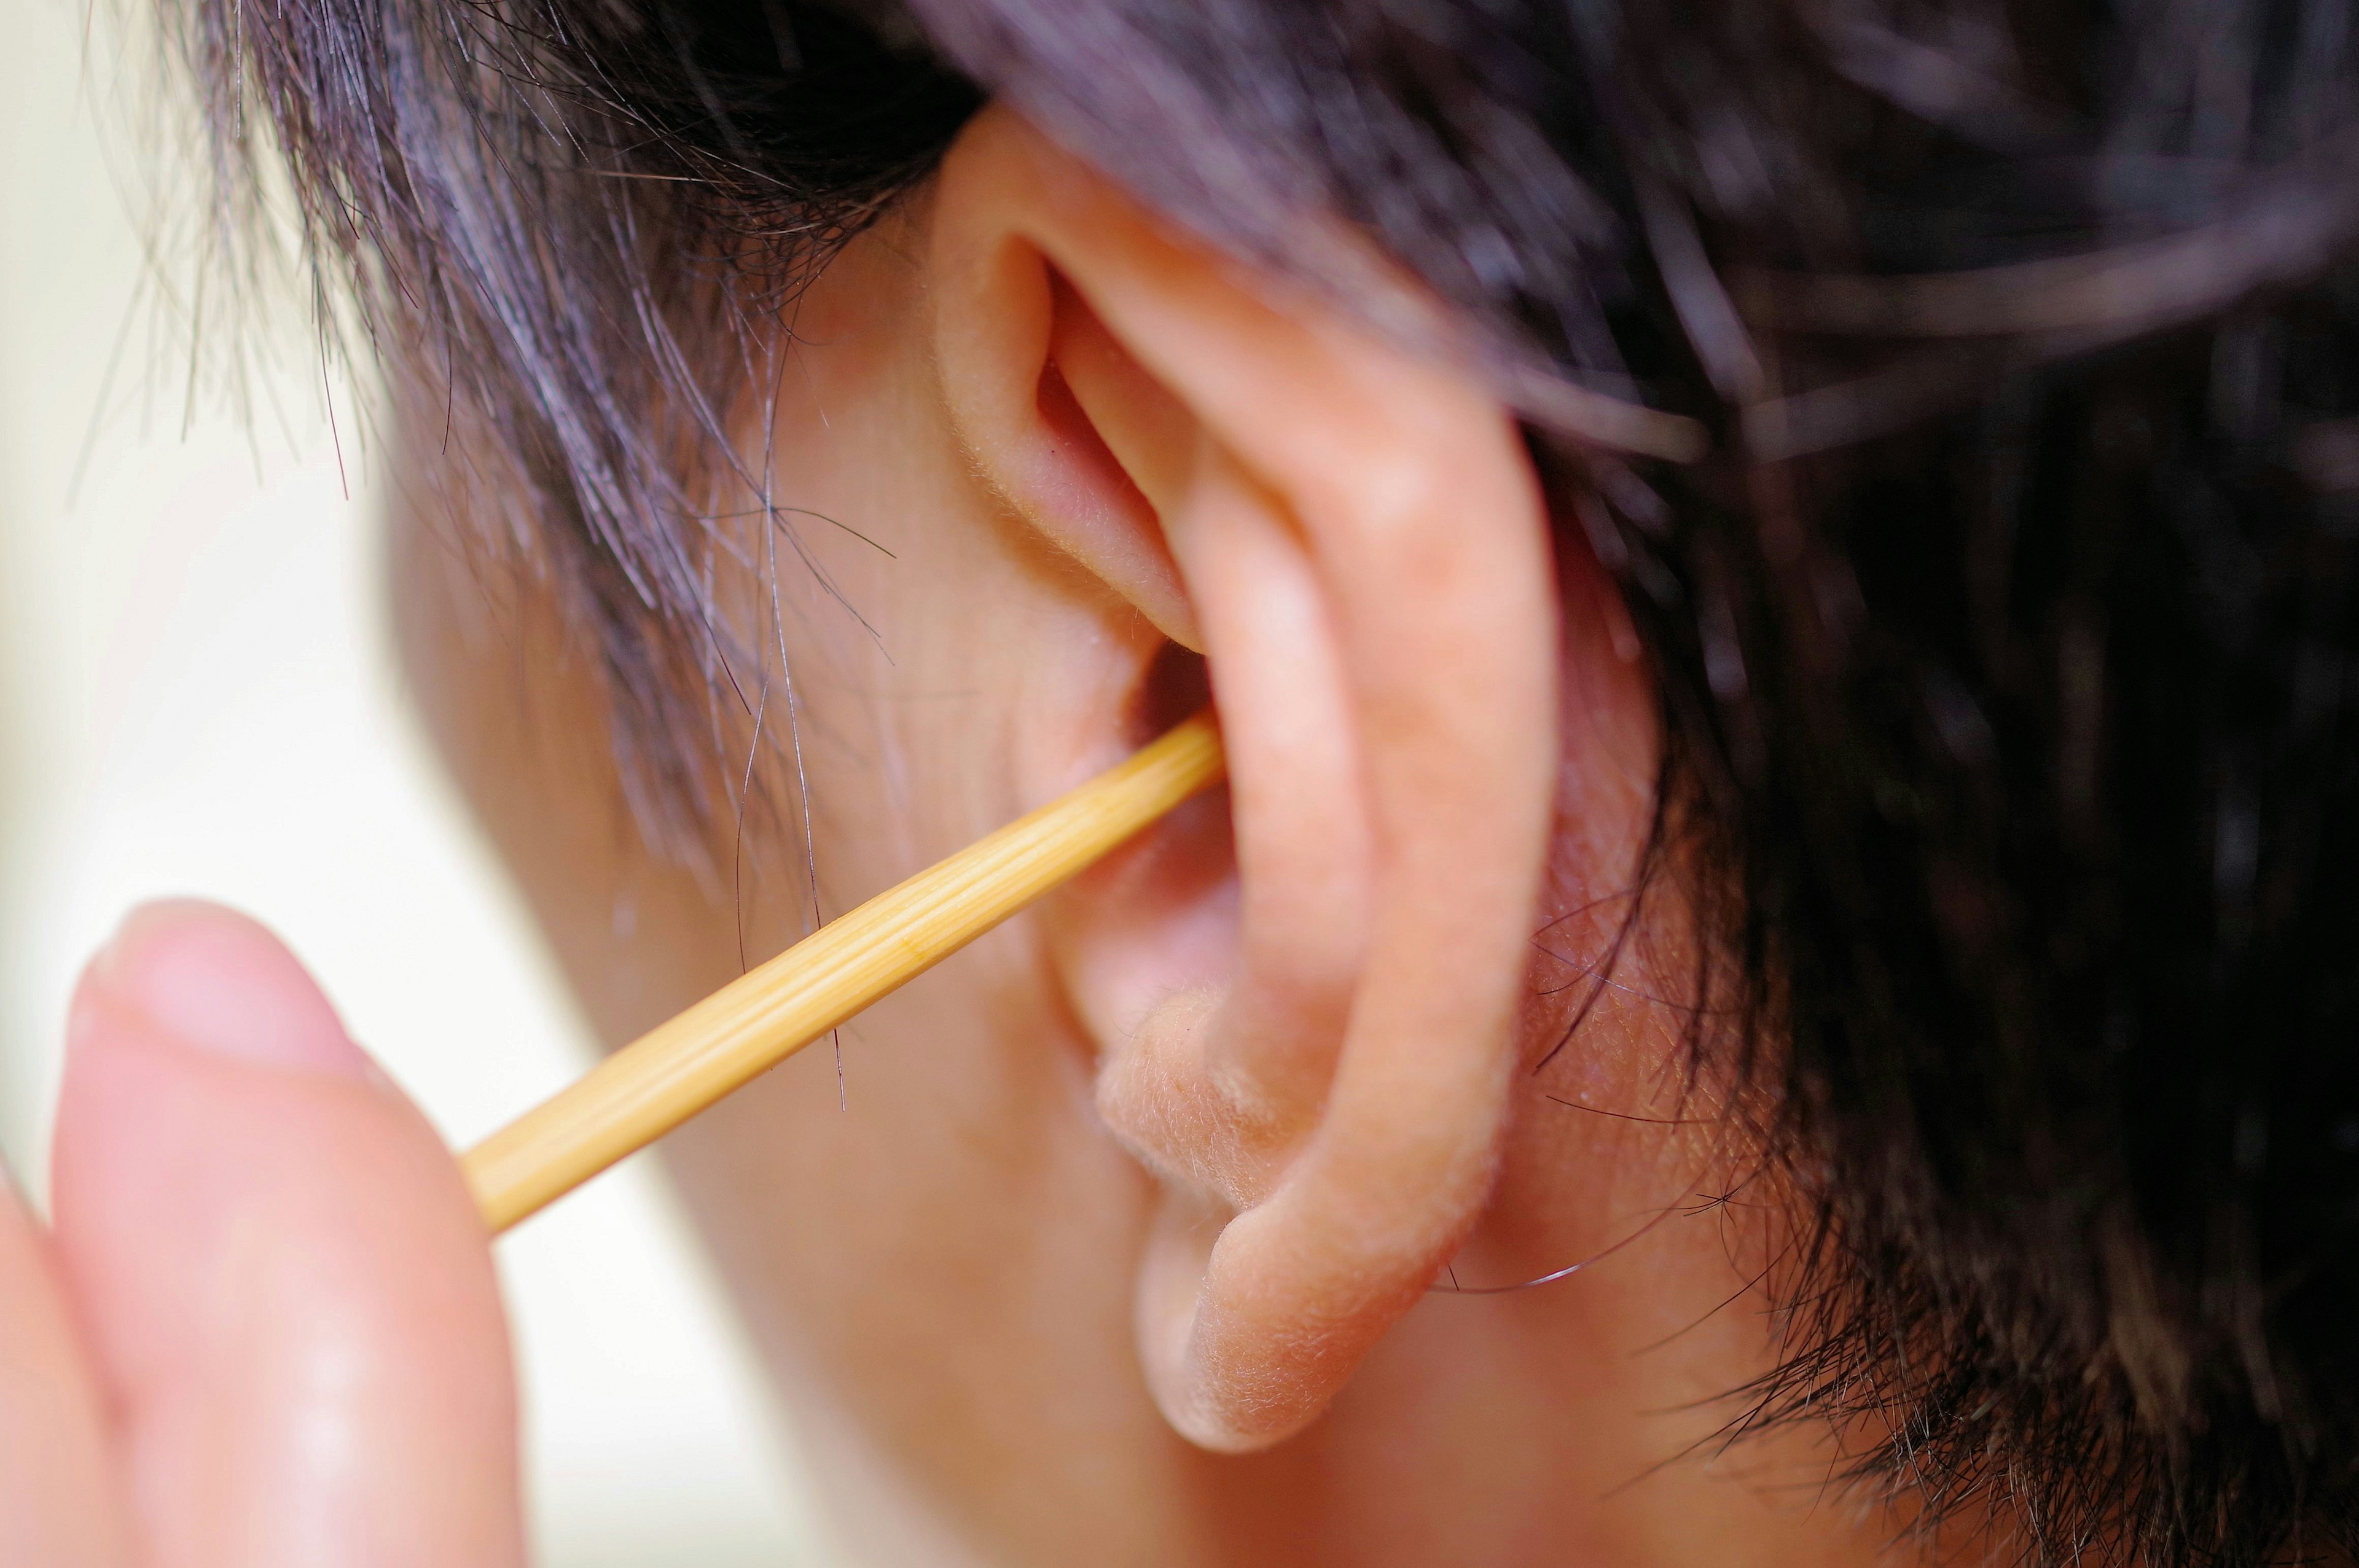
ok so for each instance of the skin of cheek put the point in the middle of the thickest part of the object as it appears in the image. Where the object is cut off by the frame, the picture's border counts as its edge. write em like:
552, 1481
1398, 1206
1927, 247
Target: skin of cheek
941, 1272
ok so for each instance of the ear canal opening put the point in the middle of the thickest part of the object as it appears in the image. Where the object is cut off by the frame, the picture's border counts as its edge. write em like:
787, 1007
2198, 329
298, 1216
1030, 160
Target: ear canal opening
1176, 683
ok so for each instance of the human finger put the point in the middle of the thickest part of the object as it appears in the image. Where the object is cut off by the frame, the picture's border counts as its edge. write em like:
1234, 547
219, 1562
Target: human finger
286, 1286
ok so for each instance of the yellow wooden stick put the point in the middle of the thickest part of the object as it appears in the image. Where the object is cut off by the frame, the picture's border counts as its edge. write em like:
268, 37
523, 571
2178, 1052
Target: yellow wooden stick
678, 1068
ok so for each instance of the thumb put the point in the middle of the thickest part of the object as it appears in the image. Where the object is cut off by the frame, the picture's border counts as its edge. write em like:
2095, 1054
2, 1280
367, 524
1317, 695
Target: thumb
283, 1282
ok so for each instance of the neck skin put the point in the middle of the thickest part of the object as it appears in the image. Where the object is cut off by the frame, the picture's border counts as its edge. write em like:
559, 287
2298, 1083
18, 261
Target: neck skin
941, 1273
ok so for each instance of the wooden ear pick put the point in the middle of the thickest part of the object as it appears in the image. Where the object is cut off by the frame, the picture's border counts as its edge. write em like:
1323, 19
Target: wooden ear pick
678, 1068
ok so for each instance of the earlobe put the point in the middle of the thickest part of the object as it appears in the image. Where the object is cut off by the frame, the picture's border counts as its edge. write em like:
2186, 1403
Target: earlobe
1310, 1043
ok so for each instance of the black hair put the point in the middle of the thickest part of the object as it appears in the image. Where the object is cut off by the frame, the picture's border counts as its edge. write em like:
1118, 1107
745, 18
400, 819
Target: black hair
1986, 380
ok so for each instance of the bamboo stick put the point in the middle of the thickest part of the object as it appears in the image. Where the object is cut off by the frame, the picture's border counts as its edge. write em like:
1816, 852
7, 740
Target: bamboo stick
667, 1075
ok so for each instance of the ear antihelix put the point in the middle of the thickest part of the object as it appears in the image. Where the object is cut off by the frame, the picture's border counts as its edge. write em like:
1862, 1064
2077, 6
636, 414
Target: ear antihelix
1039, 413
1147, 431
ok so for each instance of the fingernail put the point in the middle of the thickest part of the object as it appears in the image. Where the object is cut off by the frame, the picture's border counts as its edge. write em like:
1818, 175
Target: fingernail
213, 980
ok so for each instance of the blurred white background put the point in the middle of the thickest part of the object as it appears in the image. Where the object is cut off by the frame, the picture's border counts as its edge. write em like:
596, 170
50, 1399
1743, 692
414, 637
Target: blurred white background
197, 696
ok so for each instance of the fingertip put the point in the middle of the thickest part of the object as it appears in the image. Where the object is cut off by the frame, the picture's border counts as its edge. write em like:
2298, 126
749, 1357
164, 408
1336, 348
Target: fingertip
216, 981
289, 1292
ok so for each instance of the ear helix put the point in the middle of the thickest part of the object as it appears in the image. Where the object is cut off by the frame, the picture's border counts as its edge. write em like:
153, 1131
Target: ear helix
1307, 492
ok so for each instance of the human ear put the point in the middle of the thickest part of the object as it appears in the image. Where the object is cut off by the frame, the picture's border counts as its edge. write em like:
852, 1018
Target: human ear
1307, 1023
